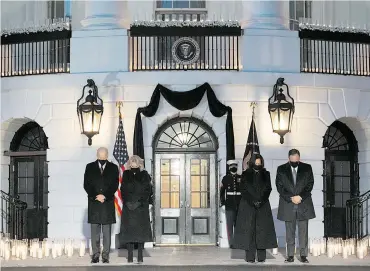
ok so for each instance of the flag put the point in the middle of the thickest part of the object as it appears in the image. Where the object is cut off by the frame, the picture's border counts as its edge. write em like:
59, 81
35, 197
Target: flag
252, 146
121, 155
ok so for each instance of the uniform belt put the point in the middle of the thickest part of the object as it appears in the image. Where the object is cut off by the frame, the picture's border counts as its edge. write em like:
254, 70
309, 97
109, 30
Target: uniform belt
233, 193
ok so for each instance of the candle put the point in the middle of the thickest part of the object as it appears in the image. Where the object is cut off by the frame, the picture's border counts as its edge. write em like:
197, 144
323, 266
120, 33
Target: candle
90, 247
47, 249
7, 252
54, 253
82, 248
345, 252
13, 250
322, 246
39, 253
330, 251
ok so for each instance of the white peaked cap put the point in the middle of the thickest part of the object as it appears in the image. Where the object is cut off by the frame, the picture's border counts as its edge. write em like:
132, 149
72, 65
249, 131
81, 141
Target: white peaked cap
232, 162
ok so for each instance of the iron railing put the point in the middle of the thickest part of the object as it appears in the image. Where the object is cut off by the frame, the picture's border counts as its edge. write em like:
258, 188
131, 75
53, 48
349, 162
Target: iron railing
334, 52
357, 212
35, 53
13, 216
155, 49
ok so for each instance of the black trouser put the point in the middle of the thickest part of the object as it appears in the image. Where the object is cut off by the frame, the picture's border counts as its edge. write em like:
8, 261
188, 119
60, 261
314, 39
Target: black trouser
230, 224
290, 227
250, 254
96, 230
130, 249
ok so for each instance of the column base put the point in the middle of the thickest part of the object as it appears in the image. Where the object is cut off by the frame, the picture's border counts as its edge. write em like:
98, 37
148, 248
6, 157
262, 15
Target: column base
99, 51
271, 51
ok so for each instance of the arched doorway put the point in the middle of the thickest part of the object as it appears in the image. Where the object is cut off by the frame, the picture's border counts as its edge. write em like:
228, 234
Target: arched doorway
29, 176
185, 183
341, 176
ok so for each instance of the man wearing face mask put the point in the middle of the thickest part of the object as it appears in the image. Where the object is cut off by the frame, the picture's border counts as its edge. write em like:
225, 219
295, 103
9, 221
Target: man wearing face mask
100, 184
230, 197
294, 182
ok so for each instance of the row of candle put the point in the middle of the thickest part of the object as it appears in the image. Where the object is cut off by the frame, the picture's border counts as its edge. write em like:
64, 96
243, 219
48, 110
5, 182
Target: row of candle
336, 246
21, 249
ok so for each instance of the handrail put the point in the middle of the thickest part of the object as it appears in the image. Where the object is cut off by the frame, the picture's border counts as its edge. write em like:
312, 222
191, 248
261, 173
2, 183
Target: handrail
357, 216
13, 218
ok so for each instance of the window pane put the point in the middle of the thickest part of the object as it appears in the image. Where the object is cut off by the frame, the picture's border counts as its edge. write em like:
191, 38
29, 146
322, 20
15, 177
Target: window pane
165, 200
205, 200
165, 183
204, 183
195, 167
180, 4
195, 183
197, 4
175, 200
195, 200
175, 166
204, 167
175, 183
165, 167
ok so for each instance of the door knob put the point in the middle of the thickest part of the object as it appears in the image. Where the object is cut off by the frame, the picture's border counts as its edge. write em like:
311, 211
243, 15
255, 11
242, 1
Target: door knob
181, 204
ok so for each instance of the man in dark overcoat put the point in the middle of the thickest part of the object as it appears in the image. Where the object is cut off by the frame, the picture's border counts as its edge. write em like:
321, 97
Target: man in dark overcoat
100, 184
255, 230
230, 197
294, 182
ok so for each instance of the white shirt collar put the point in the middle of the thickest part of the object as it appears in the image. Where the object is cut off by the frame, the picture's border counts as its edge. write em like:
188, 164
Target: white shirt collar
102, 167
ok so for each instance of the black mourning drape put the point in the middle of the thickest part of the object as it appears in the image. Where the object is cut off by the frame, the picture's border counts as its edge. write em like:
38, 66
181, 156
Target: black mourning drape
184, 101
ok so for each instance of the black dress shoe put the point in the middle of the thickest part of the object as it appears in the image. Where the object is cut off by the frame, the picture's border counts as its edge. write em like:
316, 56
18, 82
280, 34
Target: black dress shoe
290, 259
304, 259
250, 261
95, 260
261, 261
105, 260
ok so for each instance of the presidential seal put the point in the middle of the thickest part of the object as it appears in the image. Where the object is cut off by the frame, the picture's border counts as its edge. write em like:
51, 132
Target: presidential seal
185, 51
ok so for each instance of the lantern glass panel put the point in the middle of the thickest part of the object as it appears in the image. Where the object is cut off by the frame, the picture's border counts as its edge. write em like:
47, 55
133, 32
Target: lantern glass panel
91, 121
280, 117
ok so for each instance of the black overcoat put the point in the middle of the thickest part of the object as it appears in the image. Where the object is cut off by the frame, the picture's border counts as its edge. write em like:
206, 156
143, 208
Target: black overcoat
96, 183
135, 219
303, 188
255, 225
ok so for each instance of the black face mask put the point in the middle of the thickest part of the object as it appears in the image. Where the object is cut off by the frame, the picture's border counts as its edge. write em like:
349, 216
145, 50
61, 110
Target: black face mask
294, 164
233, 170
135, 170
257, 167
102, 162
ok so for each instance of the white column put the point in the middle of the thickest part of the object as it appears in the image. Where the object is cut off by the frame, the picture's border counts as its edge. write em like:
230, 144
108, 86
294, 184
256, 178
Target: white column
263, 14
102, 14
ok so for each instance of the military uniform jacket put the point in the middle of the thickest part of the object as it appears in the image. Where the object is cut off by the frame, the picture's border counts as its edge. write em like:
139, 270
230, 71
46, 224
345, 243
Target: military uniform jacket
230, 191
106, 184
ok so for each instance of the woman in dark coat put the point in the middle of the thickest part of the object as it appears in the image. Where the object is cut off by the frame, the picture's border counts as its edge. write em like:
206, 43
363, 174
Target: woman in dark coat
255, 230
135, 219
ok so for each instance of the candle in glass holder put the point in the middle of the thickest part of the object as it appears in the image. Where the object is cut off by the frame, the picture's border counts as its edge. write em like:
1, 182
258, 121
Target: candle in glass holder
345, 252
39, 253
54, 252
82, 248
322, 247
47, 249
90, 248
7, 252
360, 253
13, 249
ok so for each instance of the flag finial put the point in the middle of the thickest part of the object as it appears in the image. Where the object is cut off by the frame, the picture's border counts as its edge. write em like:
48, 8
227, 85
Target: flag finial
119, 105
253, 105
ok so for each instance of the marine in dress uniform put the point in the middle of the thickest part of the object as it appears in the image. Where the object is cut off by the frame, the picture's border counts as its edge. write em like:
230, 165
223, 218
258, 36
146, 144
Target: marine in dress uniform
230, 197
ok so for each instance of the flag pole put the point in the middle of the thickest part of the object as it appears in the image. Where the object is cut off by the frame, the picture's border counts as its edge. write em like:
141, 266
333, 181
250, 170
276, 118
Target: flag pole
253, 105
119, 105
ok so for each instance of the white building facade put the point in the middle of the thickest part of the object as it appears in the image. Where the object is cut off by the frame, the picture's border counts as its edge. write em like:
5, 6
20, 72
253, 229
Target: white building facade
331, 123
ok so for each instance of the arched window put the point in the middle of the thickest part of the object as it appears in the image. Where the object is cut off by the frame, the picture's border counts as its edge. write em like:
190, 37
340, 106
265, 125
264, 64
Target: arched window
185, 134
341, 176
30, 137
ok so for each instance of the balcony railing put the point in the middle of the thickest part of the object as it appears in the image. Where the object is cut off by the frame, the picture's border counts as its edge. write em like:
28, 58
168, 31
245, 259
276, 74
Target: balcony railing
35, 53
358, 216
184, 48
345, 53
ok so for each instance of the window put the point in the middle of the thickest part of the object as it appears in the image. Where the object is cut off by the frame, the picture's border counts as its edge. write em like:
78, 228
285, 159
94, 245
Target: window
196, 4
298, 10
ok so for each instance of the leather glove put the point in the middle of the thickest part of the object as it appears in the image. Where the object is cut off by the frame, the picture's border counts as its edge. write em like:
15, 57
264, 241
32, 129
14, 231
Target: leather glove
257, 204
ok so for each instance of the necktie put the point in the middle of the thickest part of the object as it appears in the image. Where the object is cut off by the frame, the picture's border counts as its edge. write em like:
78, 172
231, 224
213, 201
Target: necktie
101, 170
294, 176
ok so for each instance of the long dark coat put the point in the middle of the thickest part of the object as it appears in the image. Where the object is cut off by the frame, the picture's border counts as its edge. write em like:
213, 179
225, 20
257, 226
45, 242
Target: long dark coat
96, 183
255, 226
303, 188
135, 219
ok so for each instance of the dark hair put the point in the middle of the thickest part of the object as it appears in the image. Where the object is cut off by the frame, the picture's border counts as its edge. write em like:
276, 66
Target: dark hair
294, 152
257, 156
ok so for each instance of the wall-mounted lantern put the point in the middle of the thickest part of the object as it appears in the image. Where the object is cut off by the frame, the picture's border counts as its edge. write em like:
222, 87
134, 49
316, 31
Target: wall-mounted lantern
90, 112
281, 110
